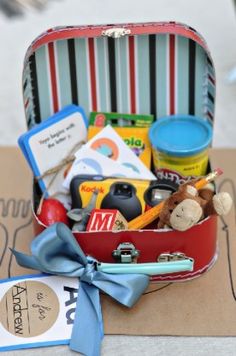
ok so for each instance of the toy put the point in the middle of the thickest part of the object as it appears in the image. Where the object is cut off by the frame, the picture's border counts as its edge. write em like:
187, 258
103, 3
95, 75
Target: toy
51, 211
106, 220
188, 206
81, 215
152, 214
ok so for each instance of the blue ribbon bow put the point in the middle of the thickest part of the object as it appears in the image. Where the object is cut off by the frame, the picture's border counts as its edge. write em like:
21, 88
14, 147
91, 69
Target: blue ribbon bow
56, 251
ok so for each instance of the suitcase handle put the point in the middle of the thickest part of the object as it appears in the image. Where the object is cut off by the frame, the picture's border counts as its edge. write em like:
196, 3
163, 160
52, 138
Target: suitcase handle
151, 269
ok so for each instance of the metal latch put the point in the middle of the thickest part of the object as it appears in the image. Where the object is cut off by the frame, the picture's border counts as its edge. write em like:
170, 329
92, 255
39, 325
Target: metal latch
116, 32
175, 256
126, 253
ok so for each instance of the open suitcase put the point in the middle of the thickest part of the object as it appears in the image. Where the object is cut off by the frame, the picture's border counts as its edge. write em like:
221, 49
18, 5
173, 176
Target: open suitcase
157, 68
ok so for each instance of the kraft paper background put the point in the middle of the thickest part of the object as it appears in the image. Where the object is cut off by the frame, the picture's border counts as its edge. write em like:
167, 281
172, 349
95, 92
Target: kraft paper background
205, 306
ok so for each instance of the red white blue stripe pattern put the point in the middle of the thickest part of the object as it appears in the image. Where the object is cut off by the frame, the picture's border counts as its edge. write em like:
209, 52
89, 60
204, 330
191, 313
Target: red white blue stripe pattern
161, 73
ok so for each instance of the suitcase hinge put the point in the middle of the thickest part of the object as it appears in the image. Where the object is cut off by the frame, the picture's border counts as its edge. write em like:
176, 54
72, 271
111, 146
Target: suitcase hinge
116, 32
175, 256
126, 253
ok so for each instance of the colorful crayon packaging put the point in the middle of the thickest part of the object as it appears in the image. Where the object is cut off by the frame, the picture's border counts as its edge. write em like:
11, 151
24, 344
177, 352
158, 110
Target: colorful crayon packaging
135, 137
102, 119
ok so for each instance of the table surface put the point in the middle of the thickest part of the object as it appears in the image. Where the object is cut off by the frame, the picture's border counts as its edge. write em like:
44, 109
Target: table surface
215, 19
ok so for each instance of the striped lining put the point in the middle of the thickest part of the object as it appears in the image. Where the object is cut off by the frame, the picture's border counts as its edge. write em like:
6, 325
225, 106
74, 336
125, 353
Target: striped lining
34, 95
152, 74
157, 74
210, 80
192, 76
28, 100
112, 73
72, 72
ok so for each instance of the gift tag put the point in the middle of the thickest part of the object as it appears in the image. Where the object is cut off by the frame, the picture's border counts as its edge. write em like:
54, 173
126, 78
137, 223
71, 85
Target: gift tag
37, 310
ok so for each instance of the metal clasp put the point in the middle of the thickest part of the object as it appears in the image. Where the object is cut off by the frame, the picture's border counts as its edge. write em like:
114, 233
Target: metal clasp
175, 256
126, 253
116, 32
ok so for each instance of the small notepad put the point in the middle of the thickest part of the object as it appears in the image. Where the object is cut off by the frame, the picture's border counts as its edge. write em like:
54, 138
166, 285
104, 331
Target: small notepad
47, 144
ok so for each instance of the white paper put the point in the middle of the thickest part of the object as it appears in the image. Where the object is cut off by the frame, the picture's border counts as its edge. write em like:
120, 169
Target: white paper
22, 308
109, 143
89, 161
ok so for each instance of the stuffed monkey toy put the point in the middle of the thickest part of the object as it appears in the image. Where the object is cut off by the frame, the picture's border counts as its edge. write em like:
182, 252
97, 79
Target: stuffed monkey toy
187, 206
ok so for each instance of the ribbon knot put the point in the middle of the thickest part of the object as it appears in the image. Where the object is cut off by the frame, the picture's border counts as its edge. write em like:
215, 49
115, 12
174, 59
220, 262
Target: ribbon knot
89, 272
56, 251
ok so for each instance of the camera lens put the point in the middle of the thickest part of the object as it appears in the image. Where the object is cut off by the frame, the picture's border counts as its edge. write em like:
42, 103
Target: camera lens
123, 190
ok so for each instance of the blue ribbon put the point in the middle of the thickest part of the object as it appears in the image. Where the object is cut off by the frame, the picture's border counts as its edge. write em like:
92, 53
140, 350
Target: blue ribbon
56, 251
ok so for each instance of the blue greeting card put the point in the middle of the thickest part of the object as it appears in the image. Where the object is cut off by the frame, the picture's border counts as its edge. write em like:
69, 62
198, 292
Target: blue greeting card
47, 144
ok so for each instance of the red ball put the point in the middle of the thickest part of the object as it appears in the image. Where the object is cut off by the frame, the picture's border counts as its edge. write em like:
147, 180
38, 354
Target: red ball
52, 211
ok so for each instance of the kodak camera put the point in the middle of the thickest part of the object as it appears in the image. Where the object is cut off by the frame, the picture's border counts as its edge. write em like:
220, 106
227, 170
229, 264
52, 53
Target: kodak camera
131, 197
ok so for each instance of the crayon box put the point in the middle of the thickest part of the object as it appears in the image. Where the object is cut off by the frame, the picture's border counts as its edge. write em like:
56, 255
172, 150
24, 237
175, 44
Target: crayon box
102, 119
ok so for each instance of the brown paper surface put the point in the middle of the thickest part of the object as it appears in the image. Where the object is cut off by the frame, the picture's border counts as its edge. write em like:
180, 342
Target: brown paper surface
16, 229
205, 306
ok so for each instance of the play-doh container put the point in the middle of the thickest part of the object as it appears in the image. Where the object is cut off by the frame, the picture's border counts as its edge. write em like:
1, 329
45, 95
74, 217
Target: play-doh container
180, 143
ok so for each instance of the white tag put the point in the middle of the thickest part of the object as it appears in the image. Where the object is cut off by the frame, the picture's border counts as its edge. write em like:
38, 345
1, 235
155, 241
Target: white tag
37, 311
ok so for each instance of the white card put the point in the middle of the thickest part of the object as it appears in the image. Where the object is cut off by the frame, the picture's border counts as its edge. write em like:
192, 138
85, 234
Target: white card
89, 161
37, 310
110, 144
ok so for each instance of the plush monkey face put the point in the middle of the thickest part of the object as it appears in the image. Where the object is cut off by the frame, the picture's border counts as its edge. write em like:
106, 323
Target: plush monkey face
185, 214
187, 206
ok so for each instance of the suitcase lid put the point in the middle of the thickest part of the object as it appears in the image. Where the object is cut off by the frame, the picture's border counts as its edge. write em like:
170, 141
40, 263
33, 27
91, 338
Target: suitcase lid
159, 68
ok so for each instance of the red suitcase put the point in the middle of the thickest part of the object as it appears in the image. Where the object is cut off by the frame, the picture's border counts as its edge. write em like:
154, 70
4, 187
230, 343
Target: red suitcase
157, 68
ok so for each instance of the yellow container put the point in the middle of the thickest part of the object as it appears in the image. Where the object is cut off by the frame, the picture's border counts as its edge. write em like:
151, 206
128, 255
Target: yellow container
187, 166
180, 144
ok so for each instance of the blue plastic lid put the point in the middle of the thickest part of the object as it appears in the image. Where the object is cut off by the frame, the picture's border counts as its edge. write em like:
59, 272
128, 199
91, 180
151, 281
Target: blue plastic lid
181, 135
